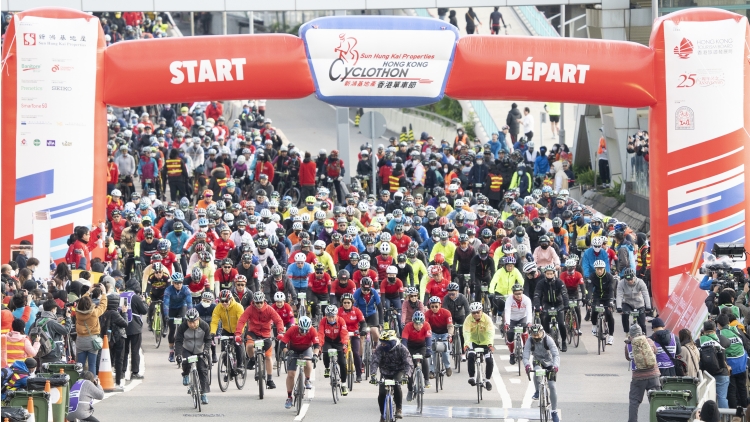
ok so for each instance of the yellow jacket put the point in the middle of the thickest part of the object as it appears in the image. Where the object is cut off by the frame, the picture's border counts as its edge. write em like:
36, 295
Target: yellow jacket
480, 332
228, 317
503, 281
327, 260
449, 251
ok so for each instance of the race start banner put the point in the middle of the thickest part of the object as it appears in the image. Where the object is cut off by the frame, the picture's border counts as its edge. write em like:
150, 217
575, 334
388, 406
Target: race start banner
374, 61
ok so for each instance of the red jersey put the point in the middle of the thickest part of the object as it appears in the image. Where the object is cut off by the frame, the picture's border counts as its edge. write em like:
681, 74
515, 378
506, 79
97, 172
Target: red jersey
225, 280
310, 259
299, 342
139, 236
335, 333
168, 261
416, 338
352, 318
358, 276
319, 285
435, 288
571, 280
391, 291
197, 287
341, 253
223, 247
117, 228
439, 321
401, 244
286, 313
113, 205
339, 290
383, 264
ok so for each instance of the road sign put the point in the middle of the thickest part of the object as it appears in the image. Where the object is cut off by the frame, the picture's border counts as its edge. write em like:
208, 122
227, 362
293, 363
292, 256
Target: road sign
372, 125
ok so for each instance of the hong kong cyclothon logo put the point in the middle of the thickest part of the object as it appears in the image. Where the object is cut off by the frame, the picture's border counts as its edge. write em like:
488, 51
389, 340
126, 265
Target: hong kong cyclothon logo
346, 50
685, 49
29, 38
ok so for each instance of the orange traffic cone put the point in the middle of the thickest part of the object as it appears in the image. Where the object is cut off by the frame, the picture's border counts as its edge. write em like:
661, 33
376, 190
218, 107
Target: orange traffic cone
105, 369
30, 409
46, 386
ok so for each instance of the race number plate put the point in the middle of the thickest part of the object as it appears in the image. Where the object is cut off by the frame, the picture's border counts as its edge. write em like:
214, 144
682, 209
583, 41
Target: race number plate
192, 359
301, 295
541, 372
518, 330
390, 382
259, 344
333, 352
417, 356
479, 350
177, 321
599, 309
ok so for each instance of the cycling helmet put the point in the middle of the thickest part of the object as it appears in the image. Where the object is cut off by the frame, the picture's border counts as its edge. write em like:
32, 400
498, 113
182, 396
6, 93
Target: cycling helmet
543, 239
203, 222
418, 317
385, 237
600, 264
343, 275
391, 270
548, 267
351, 231
453, 287
201, 236
176, 278
319, 215
209, 296
597, 242
411, 253
508, 249
261, 243
347, 296
475, 307
571, 263
385, 248
529, 267
157, 267
353, 256
279, 297
225, 295
259, 297
205, 256
435, 270
277, 270
517, 287
196, 273
536, 329
439, 258
239, 278
366, 282
305, 323
412, 291
483, 249
300, 257
389, 335
628, 274
192, 315
319, 267
363, 264
463, 238
331, 310
519, 231
510, 259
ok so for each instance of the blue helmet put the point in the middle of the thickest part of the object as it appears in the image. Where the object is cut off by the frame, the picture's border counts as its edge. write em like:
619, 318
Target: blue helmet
177, 278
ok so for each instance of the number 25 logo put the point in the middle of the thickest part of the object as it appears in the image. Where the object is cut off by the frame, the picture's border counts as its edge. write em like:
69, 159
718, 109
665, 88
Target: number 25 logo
687, 80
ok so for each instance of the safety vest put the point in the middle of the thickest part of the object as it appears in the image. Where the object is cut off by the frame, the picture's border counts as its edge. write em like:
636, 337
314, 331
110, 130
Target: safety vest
222, 182
735, 311
174, 167
16, 350
496, 182
581, 233
393, 182
648, 256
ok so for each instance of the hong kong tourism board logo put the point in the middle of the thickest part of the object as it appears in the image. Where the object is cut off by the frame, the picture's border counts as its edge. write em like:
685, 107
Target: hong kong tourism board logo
685, 49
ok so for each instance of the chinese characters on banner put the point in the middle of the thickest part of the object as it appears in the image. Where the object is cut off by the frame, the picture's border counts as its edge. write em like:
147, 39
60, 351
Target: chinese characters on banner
686, 306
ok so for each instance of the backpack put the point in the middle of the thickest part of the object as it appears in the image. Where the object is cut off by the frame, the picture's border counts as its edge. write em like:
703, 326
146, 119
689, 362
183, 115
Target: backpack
643, 356
709, 358
39, 332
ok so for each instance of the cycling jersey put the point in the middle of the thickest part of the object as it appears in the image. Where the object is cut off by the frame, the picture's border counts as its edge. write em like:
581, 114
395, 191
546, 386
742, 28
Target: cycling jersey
572, 281
414, 339
298, 341
158, 286
367, 303
319, 285
383, 262
197, 287
338, 290
439, 321
357, 277
517, 310
392, 290
335, 333
223, 247
436, 288
503, 281
168, 261
259, 321
298, 276
479, 332
225, 280
448, 250
353, 318
402, 244
174, 299
285, 313
227, 317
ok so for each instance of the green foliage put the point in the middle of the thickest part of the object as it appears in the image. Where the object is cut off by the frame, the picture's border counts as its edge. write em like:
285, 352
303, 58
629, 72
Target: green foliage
469, 127
446, 107
614, 191
585, 177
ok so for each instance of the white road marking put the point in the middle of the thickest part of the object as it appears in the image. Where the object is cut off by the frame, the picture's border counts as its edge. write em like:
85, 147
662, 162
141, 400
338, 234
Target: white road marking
501, 389
503, 357
515, 381
526, 404
511, 368
302, 412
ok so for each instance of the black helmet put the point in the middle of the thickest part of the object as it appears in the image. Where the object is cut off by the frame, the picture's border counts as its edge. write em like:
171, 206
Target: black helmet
520, 231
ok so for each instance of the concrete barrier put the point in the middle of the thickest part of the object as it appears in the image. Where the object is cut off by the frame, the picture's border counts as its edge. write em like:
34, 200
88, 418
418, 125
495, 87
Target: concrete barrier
395, 120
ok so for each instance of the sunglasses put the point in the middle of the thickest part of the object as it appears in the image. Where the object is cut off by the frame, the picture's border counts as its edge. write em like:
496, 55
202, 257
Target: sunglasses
224, 302
434, 307
227, 267
476, 313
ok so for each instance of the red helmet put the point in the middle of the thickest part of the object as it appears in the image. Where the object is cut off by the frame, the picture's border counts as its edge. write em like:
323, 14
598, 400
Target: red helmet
439, 258
334, 152
435, 270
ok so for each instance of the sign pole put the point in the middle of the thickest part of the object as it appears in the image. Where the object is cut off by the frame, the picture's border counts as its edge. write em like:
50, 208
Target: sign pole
373, 181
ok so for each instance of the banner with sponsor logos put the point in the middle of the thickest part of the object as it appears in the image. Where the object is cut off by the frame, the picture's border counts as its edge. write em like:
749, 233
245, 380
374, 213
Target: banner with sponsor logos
699, 139
376, 61
52, 140
686, 307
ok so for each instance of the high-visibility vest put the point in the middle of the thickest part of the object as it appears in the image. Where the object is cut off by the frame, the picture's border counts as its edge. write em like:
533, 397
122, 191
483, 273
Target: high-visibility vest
174, 167
393, 182
648, 256
581, 233
15, 350
496, 182
222, 182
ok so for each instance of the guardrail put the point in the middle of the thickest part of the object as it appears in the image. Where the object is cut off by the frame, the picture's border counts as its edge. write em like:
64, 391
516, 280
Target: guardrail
537, 21
431, 116
485, 119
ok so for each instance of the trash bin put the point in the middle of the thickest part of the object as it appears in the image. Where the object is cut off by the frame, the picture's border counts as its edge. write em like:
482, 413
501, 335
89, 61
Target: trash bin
659, 398
680, 384
41, 402
72, 369
14, 414
674, 413
59, 392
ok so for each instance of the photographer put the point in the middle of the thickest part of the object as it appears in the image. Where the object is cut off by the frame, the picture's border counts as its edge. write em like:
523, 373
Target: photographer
57, 331
726, 299
715, 274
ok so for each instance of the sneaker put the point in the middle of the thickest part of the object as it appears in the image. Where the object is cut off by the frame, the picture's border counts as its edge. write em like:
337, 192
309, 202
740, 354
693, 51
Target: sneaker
593, 331
427, 386
270, 385
410, 396
449, 371
327, 373
432, 375
288, 404
588, 316
579, 332
610, 340
359, 379
344, 390
472, 382
564, 347
512, 358
535, 396
214, 359
463, 358
555, 418
136, 377
118, 389
204, 399
171, 355
185, 380
250, 365
398, 414
308, 384
164, 334
488, 386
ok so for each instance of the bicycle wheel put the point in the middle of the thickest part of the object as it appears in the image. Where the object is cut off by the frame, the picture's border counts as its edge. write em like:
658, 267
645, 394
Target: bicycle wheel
479, 382
555, 333
517, 347
300, 393
278, 360
223, 371
210, 368
457, 351
195, 397
260, 376
543, 406
196, 390
350, 370
599, 342
295, 194
576, 335
334, 381
438, 370
367, 357
388, 408
156, 326
419, 390
241, 376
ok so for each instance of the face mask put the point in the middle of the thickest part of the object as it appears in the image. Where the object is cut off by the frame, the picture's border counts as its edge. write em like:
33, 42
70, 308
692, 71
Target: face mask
597, 249
479, 162
246, 110
443, 205
241, 231
571, 270
391, 280
204, 229
205, 304
520, 172
436, 238
550, 279
309, 207
537, 340
402, 265
318, 252
184, 114
433, 167
329, 230
201, 132
545, 246
556, 229
519, 238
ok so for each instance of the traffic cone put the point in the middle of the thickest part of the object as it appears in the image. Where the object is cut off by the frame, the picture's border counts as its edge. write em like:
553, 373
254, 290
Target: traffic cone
105, 369
47, 389
30, 409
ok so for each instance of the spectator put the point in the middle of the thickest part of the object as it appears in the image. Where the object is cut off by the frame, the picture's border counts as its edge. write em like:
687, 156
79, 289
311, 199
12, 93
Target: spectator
553, 110
82, 396
737, 361
689, 355
528, 124
452, 18
307, 171
57, 331
603, 157
24, 308
667, 348
18, 346
22, 257
713, 360
214, 110
709, 412
514, 115
641, 352
88, 329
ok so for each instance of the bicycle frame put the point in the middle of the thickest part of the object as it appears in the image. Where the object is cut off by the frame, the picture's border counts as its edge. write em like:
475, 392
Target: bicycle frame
479, 362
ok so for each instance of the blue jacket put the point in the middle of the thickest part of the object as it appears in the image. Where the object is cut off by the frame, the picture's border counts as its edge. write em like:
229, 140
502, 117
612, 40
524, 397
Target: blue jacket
298, 276
427, 245
176, 243
367, 308
495, 147
32, 316
175, 300
706, 282
478, 174
541, 165
423, 232
357, 242
587, 263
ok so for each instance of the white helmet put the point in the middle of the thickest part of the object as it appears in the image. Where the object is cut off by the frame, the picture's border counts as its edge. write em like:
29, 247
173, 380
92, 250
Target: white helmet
385, 248
265, 213
351, 230
319, 215
597, 242
571, 263
600, 264
385, 237
391, 270
475, 306
116, 192
297, 226
279, 297
363, 264
293, 211
300, 257
319, 244
362, 206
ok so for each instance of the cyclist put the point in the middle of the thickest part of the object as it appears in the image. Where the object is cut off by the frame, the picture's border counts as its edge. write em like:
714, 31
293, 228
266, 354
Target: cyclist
364, 271
593, 254
277, 282
193, 337
552, 295
319, 285
253, 273
441, 322
228, 312
457, 304
355, 323
502, 284
448, 249
283, 309
479, 331
418, 269
303, 341
158, 282
343, 285
405, 272
177, 300
417, 337
391, 291
518, 313
368, 301
482, 270
632, 295
225, 275
240, 292
334, 335
545, 355
532, 278
602, 295
258, 319
574, 283
299, 272
437, 286
395, 362
545, 254
464, 256
206, 310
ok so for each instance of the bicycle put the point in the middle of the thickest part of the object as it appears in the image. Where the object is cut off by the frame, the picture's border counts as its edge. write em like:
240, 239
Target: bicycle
156, 323
571, 324
439, 347
260, 367
553, 328
392, 321
335, 375
485, 299
299, 382
545, 410
457, 350
138, 269
389, 408
367, 355
279, 358
319, 314
518, 346
467, 287
418, 382
479, 371
350, 368
229, 367
194, 388
301, 304
602, 329
293, 192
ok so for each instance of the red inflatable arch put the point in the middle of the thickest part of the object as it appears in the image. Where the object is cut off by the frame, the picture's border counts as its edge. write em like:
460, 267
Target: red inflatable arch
695, 77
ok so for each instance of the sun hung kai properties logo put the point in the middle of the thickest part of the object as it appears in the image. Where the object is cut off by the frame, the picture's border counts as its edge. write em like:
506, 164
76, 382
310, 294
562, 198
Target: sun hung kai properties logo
685, 49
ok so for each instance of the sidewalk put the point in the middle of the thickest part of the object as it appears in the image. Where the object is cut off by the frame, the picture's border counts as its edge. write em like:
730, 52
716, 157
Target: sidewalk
499, 109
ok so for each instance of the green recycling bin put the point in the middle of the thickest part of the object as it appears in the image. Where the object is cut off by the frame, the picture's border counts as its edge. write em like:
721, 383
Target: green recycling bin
72, 369
681, 384
59, 392
659, 398
41, 403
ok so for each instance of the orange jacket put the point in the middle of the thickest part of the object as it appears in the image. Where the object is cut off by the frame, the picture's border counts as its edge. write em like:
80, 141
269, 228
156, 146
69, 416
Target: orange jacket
260, 321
